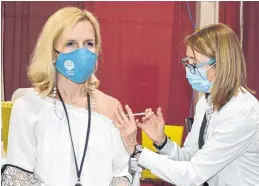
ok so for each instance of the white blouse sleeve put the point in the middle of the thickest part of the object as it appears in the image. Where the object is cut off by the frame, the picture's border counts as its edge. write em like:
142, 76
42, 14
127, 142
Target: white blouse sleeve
237, 131
21, 141
121, 157
190, 147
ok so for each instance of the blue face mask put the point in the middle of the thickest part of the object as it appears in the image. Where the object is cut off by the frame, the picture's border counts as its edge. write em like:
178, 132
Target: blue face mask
78, 66
199, 80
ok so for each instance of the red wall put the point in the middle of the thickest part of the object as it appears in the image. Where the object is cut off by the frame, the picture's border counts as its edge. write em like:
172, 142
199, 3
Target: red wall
230, 15
137, 52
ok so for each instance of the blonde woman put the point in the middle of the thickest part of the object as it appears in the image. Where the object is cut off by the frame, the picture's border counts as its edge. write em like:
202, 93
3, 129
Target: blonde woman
61, 132
222, 148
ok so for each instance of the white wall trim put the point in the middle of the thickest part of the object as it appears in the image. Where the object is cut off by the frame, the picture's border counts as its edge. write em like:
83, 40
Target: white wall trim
207, 12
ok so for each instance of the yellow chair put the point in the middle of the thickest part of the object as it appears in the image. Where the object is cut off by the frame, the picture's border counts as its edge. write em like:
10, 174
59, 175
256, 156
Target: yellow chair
6, 113
175, 133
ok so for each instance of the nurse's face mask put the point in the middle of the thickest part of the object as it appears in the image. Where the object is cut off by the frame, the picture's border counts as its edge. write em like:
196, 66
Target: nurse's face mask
197, 76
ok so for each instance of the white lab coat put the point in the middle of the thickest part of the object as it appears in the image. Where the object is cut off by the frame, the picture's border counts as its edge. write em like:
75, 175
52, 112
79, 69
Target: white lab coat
229, 157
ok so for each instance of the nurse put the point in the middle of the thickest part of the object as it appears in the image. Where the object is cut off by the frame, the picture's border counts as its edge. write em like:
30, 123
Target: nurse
222, 149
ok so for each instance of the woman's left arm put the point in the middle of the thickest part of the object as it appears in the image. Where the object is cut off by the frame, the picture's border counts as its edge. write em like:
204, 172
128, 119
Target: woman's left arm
121, 158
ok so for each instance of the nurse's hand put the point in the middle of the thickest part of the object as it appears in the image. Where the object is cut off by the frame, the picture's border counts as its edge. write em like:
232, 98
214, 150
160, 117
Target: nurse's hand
127, 127
153, 125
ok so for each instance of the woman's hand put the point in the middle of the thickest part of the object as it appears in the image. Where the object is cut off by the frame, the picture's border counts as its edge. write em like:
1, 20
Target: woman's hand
127, 127
153, 126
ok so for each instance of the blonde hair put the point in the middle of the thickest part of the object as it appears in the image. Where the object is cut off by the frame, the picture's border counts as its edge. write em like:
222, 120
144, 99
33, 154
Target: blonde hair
41, 71
220, 42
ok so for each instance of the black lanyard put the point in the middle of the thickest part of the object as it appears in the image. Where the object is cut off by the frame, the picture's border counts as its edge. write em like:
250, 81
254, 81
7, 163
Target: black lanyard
203, 126
78, 171
202, 130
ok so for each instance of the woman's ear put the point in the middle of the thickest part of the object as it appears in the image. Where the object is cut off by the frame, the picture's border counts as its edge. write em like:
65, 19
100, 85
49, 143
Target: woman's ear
54, 56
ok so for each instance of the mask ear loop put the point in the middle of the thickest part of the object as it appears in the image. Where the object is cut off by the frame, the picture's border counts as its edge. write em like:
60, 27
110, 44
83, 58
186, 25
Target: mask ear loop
209, 68
213, 80
211, 62
56, 51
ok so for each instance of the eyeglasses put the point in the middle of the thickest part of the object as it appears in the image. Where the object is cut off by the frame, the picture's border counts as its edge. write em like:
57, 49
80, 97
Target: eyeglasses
192, 68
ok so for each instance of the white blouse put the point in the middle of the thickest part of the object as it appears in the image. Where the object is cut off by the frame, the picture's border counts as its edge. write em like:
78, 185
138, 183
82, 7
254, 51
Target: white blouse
230, 155
39, 142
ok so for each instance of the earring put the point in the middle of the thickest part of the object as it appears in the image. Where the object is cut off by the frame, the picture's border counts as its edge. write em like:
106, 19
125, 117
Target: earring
54, 91
54, 94
93, 98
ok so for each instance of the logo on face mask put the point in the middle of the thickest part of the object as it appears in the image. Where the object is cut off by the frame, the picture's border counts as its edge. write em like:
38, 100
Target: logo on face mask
69, 65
